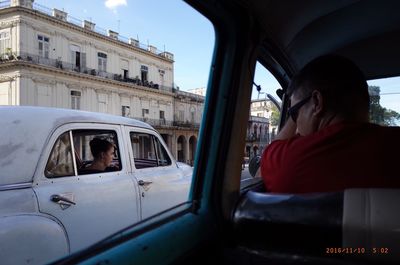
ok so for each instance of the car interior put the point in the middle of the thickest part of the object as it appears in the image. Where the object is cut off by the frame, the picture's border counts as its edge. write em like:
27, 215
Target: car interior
224, 224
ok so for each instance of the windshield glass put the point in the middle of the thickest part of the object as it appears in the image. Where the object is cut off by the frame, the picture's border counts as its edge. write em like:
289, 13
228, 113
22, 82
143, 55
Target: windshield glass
128, 64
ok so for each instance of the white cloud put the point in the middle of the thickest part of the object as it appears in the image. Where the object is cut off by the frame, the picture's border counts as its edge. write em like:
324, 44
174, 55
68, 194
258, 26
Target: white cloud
112, 4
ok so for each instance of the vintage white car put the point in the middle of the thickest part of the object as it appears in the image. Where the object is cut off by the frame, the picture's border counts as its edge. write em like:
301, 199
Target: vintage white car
50, 206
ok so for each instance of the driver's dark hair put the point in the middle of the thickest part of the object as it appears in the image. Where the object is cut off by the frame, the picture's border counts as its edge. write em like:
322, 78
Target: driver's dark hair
98, 146
341, 83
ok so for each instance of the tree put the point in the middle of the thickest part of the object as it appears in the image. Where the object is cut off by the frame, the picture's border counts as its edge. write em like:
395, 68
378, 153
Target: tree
275, 115
379, 114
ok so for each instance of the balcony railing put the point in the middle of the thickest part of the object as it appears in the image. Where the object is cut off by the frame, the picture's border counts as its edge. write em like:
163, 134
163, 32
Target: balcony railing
186, 124
192, 96
167, 123
258, 119
264, 139
156, 122
66, 66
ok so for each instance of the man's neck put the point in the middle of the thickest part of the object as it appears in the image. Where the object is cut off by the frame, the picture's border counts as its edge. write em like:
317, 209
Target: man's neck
335, 118
98, 165
329, 120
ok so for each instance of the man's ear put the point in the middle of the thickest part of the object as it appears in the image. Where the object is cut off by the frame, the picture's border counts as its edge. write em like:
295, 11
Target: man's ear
318, 102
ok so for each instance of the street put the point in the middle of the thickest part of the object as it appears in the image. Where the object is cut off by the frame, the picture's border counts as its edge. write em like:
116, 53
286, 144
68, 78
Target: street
246, 178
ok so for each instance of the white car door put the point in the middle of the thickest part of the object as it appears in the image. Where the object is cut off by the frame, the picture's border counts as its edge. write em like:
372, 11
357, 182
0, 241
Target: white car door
161, 183
91, 206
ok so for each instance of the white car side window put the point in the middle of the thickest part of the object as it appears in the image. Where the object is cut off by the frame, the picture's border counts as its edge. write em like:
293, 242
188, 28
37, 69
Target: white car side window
144, 152
96, 151
162, 155
148, 151
102, 143
60, 163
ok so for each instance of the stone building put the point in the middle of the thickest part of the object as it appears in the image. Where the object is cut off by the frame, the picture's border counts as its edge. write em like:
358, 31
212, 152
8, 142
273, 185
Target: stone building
260, 131
48, 58
257, 136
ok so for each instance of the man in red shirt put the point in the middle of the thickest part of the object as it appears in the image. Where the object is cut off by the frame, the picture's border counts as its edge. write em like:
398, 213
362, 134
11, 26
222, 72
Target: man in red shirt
328, 144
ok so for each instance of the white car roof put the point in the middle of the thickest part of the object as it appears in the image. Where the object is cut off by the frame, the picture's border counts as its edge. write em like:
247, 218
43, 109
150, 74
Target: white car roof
25, 130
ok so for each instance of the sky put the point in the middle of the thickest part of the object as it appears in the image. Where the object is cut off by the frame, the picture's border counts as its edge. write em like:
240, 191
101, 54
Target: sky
174, 26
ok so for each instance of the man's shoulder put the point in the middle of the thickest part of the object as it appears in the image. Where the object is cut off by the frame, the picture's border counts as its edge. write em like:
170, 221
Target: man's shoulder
338, 130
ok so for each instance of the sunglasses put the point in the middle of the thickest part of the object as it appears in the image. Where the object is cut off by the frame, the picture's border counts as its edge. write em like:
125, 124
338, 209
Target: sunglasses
294, 111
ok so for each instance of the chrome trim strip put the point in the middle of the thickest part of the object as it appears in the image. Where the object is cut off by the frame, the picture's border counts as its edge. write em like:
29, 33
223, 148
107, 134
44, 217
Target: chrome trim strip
16, 186
71, 139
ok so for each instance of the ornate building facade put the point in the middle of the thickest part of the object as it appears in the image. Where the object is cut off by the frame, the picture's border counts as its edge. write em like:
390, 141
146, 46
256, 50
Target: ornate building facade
260, 131
48, 58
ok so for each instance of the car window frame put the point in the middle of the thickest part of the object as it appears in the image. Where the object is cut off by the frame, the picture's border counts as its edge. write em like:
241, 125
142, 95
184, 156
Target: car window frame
73, 160
151, 140
117, 149
39, 175
157, 143
128, 129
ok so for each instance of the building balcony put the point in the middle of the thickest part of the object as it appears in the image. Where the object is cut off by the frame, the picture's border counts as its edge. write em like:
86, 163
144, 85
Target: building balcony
186, 124
257, 138
253, 119
192, 97
156, 122
251, 138
66, 66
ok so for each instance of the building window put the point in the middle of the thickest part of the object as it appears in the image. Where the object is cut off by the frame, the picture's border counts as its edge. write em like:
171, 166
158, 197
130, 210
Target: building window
43, 46
144, 70
4, 41
126, 111
78, 58
162, 117
75, 99
181, 115
103, 102
102, 61
145, 112
124, 69
192, 114
125, 74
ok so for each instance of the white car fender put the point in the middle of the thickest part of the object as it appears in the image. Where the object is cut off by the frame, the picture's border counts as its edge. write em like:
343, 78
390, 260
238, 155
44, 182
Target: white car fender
187, 170
27, 236
31, 239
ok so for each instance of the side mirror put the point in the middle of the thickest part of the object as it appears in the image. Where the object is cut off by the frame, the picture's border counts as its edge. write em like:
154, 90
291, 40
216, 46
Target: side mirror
254, 164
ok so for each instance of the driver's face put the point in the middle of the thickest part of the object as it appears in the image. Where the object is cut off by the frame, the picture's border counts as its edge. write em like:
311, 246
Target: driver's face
108, 156
303, 113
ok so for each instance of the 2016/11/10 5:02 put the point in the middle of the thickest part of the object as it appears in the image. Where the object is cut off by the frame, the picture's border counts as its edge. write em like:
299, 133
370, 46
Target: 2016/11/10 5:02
357, 250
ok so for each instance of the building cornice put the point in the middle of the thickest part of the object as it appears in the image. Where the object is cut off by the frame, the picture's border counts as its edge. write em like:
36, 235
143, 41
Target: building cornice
7, 78
67, 25
23, 65
10, 23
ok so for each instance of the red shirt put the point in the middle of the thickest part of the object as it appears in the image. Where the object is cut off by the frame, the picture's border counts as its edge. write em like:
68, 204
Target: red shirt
337, 157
